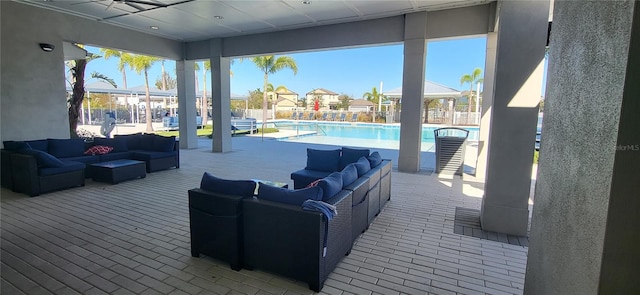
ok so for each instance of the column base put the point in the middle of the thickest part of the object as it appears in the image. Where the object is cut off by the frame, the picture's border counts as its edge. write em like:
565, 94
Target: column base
501, 219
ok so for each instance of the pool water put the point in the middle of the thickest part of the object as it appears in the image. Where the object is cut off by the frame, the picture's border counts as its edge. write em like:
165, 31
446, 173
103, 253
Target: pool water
379, 132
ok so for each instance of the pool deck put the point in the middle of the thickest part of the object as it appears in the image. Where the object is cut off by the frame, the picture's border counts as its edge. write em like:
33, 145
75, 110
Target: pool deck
133, 237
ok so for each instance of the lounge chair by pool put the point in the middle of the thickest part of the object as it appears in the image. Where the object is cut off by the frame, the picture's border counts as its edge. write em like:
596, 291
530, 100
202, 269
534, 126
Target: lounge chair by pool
343, 116
333, 116
354, 117
324, 116
294, 116
311, 115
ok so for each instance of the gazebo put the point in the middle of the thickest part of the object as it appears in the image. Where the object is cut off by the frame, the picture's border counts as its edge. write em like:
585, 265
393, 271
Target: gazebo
432, 90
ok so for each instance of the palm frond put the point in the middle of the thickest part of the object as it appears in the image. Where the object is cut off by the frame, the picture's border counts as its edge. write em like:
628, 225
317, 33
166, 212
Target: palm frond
96, 75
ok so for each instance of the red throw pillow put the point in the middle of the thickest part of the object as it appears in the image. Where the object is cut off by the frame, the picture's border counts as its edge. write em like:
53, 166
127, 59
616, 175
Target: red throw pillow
315, 183
98, 150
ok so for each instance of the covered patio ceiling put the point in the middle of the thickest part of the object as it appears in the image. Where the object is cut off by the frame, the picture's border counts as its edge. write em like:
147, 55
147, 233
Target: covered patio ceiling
194, 20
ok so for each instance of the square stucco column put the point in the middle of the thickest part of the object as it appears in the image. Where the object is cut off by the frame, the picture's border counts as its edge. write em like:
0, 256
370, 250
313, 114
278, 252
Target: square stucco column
185, 75
584, 230
487, 102
415, 52
522, 34
221, 104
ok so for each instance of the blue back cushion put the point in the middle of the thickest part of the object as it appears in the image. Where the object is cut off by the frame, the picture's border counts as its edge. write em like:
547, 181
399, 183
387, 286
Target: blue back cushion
147, 142
164, 143
350, 155
119, 144
331, 185
11, 145
132, 140
363, 166
66, 148
349, 174
323, 160
374, 159
287, 196
43, 159
41, 144
243, 188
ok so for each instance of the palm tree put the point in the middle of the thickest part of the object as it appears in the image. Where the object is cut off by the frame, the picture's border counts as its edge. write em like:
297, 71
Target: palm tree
77, 67
142, 63
205, 103
373, 96
270, 65
473, 78
122, 61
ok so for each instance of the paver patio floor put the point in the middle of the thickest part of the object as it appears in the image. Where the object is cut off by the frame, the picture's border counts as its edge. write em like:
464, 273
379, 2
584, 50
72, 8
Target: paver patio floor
133, 237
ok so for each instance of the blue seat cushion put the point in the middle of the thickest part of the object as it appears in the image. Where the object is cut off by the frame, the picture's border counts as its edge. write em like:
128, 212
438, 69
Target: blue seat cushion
303, 177
164, 143
331, 185
323, 160
115, 156
374, 159
89, 159
363, 166
11, 145
66, 148
41, 144
349, 174
287, 196
119, 144
242, 188
67, 166
350, 155
149, 155
43, 159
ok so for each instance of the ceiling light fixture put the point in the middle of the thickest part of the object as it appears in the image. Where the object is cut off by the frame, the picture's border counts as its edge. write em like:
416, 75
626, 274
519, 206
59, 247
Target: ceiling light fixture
154, 27
306, 2
218, 17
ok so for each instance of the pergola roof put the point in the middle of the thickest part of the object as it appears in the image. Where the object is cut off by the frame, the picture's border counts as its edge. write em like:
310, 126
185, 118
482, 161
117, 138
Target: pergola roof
431, 90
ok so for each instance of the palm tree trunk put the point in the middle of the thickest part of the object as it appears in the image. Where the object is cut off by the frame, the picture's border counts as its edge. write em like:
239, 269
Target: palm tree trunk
426, 110
264, 99
205, 103
148, 102
124, 78
77, 96
470, 99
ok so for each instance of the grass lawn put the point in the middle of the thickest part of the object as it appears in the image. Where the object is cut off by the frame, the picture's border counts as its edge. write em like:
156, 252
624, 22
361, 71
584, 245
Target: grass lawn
208, 130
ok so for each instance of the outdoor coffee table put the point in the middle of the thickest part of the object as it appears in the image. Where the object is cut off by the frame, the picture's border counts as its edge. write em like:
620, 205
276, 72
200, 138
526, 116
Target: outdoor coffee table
272, 183
118, 170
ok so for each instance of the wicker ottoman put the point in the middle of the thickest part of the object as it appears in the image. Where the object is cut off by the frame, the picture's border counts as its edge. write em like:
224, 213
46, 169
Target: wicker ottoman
118, 170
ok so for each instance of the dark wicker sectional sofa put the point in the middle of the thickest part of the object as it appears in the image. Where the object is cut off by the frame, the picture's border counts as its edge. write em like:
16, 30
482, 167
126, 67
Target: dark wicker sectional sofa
40, 166
272, 232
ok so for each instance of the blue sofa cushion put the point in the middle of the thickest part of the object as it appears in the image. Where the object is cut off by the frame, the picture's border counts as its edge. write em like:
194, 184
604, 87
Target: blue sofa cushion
374, 159
331, 185
11, 145
323, 160
287, 196
132, 140
350, 155
66, 148
87, 159
40, 144
67, 166
303, 177
43, 159
115, 156
119, 144
349, 174
164, 143
242, 188
147, 142
149, 155
363, 166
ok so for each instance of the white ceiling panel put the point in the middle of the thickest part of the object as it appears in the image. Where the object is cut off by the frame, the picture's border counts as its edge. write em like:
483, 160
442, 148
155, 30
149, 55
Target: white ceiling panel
192, 20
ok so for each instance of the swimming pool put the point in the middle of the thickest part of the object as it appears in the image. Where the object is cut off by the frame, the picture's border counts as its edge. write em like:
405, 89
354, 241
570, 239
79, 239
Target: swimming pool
381, 134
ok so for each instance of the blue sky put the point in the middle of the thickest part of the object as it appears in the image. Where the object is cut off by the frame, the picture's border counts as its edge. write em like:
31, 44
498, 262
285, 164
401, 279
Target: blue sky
346, 71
